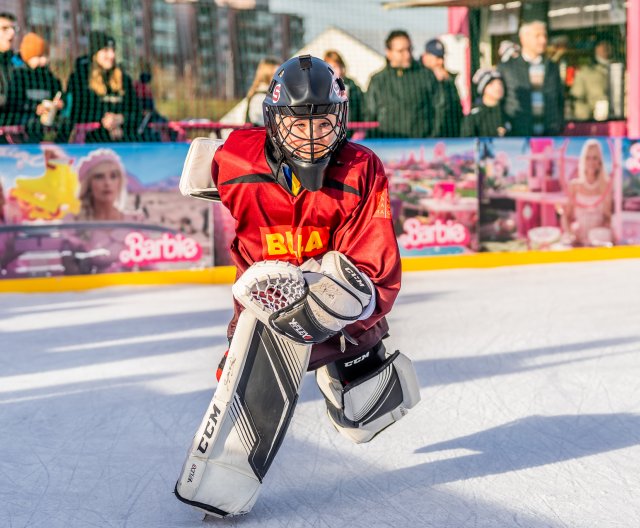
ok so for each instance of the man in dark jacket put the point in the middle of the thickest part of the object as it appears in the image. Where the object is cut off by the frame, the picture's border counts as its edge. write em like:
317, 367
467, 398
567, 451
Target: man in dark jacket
8, 59
400, 97
448, 110
534, 99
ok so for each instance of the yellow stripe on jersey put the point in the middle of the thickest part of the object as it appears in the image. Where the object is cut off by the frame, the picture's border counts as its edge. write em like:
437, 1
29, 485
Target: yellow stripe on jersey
295, 184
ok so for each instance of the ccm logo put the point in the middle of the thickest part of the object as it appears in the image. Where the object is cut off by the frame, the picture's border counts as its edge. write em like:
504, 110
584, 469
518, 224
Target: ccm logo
208, 430
357, 360
355, 277
297, 327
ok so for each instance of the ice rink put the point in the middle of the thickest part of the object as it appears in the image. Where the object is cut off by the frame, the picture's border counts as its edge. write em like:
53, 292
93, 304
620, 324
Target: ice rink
530, 412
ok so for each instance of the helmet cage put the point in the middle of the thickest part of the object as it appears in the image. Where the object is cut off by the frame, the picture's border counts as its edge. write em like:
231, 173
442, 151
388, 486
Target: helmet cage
307, 147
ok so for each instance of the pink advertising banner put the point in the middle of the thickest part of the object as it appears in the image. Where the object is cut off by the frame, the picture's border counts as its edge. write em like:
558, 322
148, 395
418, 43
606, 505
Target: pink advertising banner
81, 209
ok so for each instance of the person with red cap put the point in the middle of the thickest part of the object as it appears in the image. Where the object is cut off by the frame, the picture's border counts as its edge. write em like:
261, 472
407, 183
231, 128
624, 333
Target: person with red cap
34, 93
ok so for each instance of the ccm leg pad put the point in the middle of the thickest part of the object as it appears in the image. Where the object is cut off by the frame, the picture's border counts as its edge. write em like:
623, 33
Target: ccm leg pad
360, 409
246, 421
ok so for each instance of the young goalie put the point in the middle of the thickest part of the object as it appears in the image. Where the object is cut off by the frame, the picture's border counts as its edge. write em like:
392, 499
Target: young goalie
318, 270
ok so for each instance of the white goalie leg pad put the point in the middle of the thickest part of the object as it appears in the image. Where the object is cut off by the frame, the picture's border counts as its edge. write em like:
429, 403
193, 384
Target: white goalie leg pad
246, 421
366, 406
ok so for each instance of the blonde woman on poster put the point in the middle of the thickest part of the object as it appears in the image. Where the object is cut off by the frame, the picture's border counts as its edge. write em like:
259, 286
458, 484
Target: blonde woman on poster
103, 189
587, 216
103, 195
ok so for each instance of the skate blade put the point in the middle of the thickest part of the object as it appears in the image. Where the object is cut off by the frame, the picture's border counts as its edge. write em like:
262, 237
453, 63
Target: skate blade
212, 517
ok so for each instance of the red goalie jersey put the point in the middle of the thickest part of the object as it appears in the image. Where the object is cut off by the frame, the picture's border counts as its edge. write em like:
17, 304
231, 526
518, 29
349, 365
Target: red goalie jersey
350, 213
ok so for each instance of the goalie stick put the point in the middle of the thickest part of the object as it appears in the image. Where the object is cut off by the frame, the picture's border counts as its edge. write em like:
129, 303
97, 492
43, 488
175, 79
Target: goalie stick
254, 401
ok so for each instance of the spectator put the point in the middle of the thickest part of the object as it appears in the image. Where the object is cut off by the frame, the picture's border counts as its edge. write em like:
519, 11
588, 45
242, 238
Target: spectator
487, 119
534, 98
587, 216
143, 89
354, 93
34, 91
590, 89
99, 91
448, 110
8, 59
557, 52
264, 73
400, 96
144, 93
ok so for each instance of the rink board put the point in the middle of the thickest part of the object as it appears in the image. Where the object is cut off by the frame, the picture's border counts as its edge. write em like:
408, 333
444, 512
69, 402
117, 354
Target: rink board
227, 274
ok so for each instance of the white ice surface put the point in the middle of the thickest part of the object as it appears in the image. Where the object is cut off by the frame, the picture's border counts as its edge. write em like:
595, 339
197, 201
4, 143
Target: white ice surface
530, 416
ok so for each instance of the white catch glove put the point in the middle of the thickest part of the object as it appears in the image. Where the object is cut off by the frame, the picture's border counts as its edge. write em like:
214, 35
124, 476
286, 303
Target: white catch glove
307, 306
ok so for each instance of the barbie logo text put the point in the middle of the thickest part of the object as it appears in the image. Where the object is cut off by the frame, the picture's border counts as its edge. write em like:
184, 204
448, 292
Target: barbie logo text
418, 235
168, 248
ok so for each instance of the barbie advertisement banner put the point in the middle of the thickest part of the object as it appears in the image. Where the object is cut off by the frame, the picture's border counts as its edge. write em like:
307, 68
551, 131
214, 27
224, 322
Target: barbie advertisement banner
433, 191
501, 194
80, 209
549, 193
630, 194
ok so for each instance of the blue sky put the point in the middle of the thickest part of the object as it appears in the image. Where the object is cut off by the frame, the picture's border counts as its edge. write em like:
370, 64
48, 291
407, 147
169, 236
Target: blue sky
366, 19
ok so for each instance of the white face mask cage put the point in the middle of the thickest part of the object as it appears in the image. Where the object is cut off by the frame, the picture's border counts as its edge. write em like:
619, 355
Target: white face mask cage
309, 133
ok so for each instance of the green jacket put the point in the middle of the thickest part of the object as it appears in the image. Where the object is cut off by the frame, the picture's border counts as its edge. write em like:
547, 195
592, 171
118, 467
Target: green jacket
401, 100
27, 89
485, 121
7, 65
448, 110
356, 100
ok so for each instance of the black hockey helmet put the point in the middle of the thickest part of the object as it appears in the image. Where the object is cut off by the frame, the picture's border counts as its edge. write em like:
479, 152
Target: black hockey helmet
305, 114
